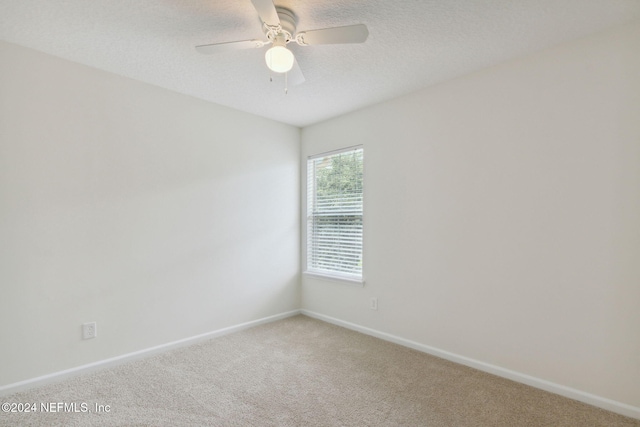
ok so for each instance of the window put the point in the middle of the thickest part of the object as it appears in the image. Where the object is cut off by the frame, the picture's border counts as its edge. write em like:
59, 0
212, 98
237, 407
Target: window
334, 214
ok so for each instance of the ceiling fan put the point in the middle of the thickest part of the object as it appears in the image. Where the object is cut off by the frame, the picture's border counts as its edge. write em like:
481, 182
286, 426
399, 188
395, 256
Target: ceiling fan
280, 29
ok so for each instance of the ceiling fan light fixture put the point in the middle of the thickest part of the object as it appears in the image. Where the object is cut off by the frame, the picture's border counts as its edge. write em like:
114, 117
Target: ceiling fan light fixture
279, 59
280, 28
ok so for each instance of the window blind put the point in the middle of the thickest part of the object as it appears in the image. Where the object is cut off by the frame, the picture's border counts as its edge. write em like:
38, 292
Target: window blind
334, 213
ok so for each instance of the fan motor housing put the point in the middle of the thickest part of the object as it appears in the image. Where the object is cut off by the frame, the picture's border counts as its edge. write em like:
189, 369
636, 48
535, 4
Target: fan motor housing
287, 20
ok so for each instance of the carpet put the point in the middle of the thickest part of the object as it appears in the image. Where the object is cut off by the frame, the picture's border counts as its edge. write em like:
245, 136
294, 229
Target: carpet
298, 372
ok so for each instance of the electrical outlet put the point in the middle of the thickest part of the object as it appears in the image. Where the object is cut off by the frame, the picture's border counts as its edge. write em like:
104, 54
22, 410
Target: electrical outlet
374, 303
89, 330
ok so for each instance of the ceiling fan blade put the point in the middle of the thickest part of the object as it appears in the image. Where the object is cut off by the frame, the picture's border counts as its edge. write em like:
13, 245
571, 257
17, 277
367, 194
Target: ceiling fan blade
229, 46
349, 34
267, 12
295, 76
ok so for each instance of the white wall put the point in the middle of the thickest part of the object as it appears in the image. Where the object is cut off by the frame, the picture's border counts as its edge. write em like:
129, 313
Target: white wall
155, 214
502, 216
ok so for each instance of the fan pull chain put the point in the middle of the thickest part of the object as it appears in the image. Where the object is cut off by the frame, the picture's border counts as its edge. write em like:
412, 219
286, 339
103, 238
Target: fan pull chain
286, 83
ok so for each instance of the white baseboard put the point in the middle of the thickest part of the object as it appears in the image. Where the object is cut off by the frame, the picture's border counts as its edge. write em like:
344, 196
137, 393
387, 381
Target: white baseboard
101, 364
591, 399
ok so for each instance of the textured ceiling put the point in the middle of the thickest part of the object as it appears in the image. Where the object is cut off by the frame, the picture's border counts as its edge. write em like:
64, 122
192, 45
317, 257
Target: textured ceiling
411, 44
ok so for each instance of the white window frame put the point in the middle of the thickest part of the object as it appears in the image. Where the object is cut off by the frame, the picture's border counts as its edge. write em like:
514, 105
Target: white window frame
355, 279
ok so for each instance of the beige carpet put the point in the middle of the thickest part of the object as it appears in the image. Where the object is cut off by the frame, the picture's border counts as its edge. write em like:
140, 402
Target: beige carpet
302, 372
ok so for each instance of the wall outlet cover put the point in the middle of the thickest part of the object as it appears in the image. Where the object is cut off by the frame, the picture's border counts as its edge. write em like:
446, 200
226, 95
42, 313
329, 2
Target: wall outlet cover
89, 330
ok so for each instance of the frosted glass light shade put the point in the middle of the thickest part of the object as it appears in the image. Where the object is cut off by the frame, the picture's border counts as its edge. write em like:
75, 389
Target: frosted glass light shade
279, 59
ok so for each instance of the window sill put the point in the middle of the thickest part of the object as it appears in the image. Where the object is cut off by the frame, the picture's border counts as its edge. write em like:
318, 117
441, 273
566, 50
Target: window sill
354, 281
